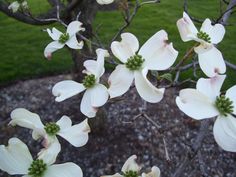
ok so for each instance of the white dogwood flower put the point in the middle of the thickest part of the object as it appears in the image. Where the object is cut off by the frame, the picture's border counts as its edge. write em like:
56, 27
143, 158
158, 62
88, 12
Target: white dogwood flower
210, 58
155, 54
15, 159
77, 135
17, 4
206, 101
132, 169
62, 39
96, 94
102, 2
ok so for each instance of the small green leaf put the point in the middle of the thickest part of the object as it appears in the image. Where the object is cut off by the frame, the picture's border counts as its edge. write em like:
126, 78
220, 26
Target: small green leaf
167, 76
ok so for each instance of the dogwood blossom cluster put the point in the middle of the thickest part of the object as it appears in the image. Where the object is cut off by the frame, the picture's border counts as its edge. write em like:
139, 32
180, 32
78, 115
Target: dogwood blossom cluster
16, 158
16, 5
206, 101
132, 169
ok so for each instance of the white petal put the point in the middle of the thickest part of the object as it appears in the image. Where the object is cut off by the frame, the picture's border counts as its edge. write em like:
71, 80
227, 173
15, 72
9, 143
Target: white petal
96, 67
216, 32
77, 135
102, 2
99, 95
27, 119
225, 133
66, 89
154, 173
52, 47
54, 34
86, 106
49, 154
131, 165
120, 81
145, 88
126, 48
231, 94
68, 169
115, 175
186, 28
101, 54
73, 43
158, 54
195, 104
74, 27
211, 87
64, 122
212, 62
14, 6
15, 158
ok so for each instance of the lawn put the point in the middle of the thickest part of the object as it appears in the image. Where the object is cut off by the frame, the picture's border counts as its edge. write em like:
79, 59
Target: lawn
22, 45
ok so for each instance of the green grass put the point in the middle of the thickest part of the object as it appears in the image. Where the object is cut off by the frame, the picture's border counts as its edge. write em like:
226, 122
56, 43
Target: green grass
22, 45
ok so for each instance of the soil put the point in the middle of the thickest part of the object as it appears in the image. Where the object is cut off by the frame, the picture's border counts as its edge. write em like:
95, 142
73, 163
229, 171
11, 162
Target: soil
121, 135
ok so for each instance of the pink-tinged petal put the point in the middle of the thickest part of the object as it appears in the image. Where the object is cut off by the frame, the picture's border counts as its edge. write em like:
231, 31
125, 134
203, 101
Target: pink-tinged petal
126, 48
186, 28
77, 135
73, 43
15, 159
115, 175
49, 153
99, 95
158, 53
225, 133
145, 88
154, 173
74, 27
54, 34
211, 87
131, 165
27, 119
196, 105
86, 106
216, 32
68, 169
120, 81
231, 94
64, 122
66, 89
212, 62
52, 47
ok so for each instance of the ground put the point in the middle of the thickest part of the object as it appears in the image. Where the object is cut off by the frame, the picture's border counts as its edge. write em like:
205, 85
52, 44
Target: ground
121, 136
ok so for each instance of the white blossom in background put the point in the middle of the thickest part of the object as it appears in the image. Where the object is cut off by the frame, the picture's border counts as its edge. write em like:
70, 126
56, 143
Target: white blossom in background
210, 58
17, 4
15, 159
156, 54
206, 102
77, 135
102, 2
62, 39
132, 169
96, 94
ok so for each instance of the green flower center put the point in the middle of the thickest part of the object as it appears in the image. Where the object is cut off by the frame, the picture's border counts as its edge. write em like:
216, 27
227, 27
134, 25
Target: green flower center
131, 174
89, 81
37, 168
204, 36
64, 37
224, 105
135, 62
52, 128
